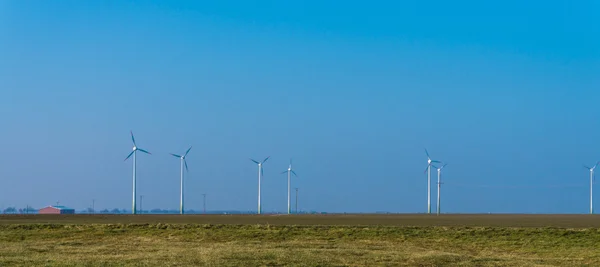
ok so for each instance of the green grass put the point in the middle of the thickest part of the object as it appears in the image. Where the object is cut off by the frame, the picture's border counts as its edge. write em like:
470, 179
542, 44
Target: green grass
164, 244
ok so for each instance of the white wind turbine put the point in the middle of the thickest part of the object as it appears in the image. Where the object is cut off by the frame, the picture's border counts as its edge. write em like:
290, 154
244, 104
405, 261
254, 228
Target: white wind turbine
134, 153
428, 171
260, 173
439, 183
592, 186
183, 162
289, 172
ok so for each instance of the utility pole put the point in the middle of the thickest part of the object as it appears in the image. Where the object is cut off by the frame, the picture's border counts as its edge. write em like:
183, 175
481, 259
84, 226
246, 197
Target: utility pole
296, 200
93, 206
204, 203
141, 199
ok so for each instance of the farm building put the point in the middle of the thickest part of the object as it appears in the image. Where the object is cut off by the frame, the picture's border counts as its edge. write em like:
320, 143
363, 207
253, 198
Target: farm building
56, 210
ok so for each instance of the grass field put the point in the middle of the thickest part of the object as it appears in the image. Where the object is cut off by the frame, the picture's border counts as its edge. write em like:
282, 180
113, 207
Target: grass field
305, 240
483, 220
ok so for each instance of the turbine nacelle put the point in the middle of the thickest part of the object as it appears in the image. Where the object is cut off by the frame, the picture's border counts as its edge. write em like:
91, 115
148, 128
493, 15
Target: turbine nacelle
429, 160
440, 168
183, 158
260, 169
135, 148
260, 163
592, 168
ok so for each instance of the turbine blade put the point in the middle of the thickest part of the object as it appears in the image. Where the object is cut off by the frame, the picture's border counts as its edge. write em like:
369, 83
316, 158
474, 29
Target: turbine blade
261, 171
587, 167
426, 152
436, 161
254, 161
175, 155
132, 138
434, 166
284, 172
294, 173
144, 151
185, 163
426, 169
445, 165
266, 159
188, 151
129, 155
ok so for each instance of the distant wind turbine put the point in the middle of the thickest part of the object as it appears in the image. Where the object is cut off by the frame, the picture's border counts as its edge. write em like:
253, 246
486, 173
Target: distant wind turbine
428, 171
134, 153
439, 183
289, 172
183, 162
592, 176
260, 173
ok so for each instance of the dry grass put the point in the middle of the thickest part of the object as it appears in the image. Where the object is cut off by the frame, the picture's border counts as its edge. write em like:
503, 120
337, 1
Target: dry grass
473, 220
268, 245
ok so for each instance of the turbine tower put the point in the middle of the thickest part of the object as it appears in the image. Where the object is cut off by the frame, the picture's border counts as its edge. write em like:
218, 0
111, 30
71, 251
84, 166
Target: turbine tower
428, 171
260, 173
134, 153
289, 172
591, 186
439, 183
183, 162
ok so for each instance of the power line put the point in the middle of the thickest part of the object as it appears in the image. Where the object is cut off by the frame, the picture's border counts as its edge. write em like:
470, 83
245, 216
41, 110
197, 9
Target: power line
204, 203
141, 202
296, 200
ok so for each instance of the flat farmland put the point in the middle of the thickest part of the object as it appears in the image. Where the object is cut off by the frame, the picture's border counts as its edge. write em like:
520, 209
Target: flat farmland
300, 240
470, 220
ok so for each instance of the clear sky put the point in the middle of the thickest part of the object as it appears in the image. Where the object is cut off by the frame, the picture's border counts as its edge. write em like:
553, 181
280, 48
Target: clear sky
506, 92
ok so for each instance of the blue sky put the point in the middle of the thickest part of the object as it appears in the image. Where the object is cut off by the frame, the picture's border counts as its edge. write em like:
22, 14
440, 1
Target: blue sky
506, 92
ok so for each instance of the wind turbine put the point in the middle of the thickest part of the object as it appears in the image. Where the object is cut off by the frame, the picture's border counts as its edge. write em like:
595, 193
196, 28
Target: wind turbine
134, 153
591, 186
289, 172
260, 173
439, 183
183, 162
428, 171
